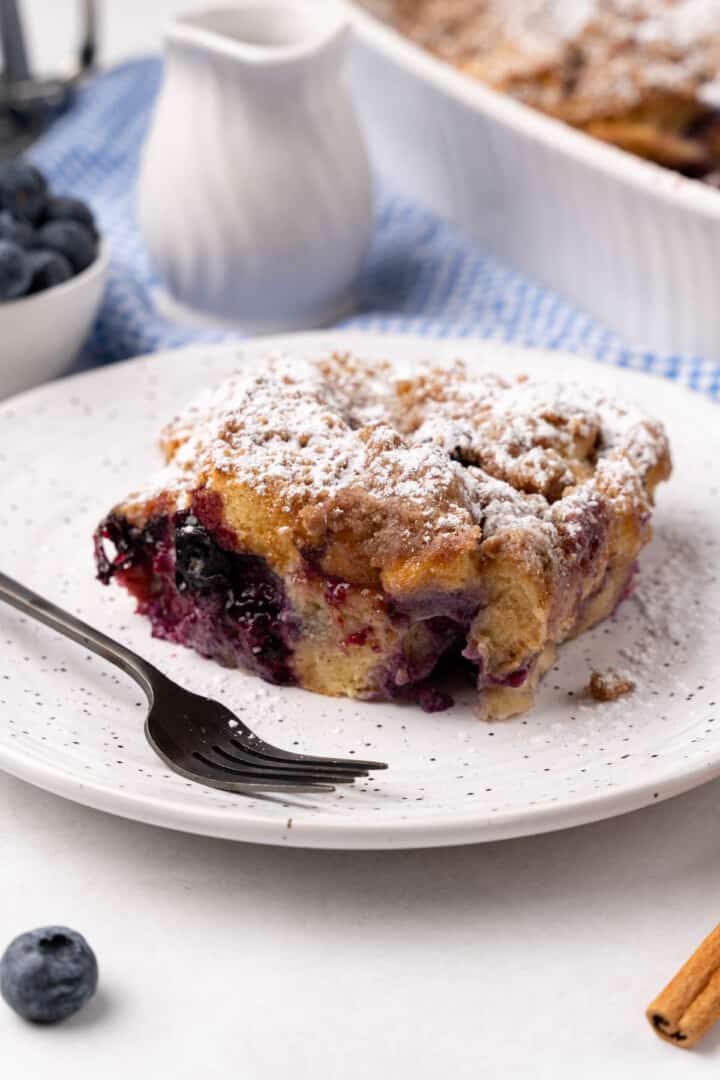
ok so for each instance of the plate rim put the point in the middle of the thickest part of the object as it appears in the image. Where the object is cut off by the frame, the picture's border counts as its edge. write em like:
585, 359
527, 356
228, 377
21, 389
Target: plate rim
349, 836
347, 833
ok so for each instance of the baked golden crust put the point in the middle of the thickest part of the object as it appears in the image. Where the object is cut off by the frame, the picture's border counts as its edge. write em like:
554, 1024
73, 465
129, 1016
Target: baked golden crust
510, 508
641, 74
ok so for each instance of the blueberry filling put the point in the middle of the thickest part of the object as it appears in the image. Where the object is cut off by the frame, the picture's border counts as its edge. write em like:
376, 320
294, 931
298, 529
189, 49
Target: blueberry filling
431, 648
200, 565
227, 605
199, 591
432, 700
423, 645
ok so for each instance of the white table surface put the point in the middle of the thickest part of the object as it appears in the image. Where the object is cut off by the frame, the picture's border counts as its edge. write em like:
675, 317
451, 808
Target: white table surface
529, 958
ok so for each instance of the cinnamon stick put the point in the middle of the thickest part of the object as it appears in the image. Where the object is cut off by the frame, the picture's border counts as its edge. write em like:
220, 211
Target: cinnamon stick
690, 1003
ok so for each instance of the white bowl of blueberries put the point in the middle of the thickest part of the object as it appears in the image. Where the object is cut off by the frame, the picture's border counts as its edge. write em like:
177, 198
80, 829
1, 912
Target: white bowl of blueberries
53, 267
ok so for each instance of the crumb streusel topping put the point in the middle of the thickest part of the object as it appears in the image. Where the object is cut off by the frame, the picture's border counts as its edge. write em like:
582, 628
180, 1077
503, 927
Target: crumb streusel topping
579, 59
445, 457
609, 685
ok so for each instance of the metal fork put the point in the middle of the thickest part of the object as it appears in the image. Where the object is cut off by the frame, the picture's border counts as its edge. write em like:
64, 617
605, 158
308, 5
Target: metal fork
195, 736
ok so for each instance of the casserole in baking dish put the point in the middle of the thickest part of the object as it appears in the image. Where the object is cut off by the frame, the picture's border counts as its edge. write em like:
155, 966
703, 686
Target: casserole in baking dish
634, 243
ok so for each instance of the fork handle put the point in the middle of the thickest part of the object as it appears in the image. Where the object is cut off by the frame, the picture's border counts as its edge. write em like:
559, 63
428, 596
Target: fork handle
37, 607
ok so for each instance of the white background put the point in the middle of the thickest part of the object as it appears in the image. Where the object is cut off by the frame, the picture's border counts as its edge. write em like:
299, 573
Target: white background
528, 958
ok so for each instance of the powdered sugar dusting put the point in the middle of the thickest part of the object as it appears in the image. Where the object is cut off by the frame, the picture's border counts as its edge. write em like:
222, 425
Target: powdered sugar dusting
537, 22
681, 25
438, 452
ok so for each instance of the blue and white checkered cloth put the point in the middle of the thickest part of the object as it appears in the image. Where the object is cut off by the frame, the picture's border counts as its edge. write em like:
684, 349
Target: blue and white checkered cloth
422, 276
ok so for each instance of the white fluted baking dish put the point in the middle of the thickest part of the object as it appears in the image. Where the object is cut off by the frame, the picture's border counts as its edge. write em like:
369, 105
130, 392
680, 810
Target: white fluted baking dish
635, 245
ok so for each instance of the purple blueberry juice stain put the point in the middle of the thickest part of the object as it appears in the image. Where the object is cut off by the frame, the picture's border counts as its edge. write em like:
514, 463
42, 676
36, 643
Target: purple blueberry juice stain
359, 637
460, 606
336, 592
513, 680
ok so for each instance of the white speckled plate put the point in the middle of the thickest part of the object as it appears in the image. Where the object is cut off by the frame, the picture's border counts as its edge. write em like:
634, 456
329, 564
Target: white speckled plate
73, 725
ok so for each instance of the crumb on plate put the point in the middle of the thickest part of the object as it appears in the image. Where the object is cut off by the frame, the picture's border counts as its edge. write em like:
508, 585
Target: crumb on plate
609, 685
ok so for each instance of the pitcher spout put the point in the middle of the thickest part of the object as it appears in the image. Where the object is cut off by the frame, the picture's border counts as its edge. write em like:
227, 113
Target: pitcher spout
264, 34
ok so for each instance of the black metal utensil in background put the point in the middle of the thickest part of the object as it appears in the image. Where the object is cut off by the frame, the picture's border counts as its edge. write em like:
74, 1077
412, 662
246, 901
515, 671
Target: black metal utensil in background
28, 103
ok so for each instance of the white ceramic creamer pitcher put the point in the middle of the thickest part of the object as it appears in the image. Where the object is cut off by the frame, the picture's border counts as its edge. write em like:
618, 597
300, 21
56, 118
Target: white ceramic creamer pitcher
255, 192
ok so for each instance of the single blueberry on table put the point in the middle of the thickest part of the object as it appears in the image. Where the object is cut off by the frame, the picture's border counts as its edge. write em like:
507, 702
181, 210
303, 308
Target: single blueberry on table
23, 190
15, 272
20, 232
71, 239
64, 208
48, 974
48, 268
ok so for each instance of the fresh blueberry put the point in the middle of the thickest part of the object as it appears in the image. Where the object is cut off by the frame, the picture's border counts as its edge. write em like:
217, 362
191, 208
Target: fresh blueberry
48, 268
63, 208
23, 190
71, 239
15, 271
48, 974
20, 232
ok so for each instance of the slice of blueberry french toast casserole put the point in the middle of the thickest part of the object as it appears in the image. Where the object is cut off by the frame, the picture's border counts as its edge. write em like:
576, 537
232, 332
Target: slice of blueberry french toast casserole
338, 524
